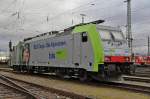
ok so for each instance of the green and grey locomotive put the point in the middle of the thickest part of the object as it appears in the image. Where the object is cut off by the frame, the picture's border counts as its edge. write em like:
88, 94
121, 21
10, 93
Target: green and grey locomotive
85, 50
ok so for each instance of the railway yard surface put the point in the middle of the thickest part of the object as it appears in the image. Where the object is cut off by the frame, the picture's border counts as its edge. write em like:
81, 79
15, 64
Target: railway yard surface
72, 86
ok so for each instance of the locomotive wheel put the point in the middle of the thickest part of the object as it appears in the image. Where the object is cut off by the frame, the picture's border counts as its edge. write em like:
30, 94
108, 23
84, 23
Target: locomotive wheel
132, 69
60, 75
83, 75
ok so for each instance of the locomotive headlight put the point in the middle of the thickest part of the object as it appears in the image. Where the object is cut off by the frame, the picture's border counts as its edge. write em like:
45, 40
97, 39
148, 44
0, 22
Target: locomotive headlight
127, 59
107, 59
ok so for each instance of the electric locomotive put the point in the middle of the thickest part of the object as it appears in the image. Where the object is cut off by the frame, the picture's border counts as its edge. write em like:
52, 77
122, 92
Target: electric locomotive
86, 50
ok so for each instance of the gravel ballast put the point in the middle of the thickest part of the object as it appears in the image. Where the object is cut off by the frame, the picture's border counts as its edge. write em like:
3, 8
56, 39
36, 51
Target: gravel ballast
79, 88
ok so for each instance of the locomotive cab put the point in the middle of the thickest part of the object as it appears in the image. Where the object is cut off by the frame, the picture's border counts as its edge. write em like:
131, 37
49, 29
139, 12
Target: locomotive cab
117, 55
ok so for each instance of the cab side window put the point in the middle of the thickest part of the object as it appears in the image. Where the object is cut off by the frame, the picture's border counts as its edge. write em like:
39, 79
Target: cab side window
84, 37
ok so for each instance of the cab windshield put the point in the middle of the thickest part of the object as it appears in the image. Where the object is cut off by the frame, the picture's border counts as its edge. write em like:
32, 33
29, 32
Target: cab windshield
117, 35
105, 35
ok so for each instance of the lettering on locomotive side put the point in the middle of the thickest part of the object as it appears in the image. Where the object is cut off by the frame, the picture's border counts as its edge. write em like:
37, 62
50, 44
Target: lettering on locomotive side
51, 56
49, 45
60, 54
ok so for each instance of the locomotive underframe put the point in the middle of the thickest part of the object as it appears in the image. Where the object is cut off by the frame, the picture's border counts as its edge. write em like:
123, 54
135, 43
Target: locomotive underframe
105, 71
116, 67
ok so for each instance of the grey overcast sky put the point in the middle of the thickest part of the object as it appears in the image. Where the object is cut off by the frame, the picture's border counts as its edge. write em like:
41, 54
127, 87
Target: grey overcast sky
24, 18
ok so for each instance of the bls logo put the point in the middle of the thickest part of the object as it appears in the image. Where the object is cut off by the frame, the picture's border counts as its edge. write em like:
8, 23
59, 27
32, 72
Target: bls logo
51, 56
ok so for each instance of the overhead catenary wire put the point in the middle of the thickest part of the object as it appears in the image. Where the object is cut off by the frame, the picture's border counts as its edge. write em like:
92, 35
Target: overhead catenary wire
81, 5
19, 10
4, 10
80, 8
70, 10
56, 16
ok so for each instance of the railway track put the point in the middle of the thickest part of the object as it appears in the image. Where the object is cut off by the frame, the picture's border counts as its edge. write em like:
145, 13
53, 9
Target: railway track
116, 84
12, 93
10, 90
120, 85
141, 75
128, 86
33, 91
143, 70
137, 78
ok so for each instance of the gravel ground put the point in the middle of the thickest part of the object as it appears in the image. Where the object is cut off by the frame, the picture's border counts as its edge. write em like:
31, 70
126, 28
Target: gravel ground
92, 91
4, 66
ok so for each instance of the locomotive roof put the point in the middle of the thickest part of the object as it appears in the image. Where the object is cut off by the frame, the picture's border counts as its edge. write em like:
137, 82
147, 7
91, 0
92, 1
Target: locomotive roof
102, 27
54, 33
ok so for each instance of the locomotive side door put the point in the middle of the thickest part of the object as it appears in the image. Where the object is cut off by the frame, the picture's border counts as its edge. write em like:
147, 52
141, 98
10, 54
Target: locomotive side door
87, 56
76, 49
